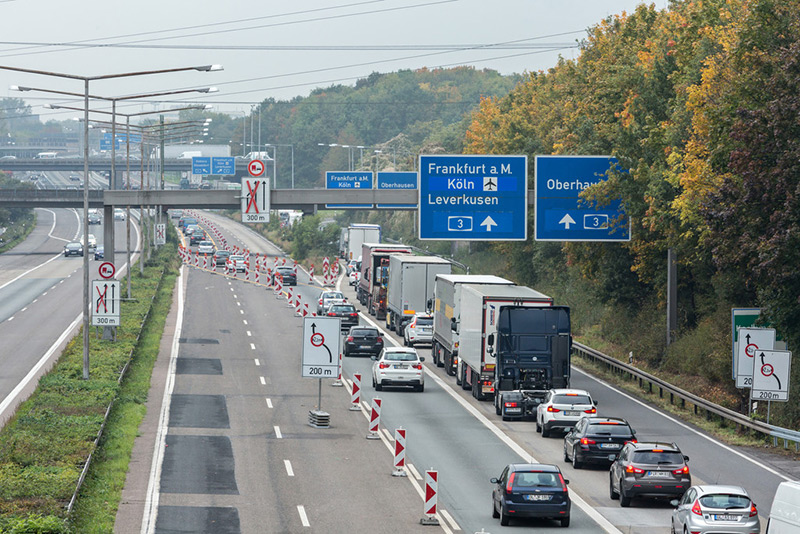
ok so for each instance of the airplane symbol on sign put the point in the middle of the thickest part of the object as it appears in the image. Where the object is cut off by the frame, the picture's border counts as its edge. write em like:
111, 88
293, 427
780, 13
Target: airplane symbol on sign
489, 183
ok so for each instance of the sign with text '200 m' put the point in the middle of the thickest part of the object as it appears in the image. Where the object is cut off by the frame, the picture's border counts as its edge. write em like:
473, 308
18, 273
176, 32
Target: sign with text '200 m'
473, 197
255, 200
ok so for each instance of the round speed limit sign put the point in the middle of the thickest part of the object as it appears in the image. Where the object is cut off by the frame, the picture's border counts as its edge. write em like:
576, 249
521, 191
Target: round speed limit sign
255, 168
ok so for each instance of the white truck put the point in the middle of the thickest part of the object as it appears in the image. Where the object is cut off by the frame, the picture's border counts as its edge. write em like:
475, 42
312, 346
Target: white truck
354, 237
410, 287
446, 311
371, 288
477, 328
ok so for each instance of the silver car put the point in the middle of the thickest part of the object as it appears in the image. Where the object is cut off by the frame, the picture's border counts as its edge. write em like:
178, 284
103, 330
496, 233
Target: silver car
712, 509
419, 330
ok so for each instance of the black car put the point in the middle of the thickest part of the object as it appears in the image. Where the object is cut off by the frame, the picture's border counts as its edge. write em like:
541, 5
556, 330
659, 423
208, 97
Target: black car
99, 253
221, 257
94, 218
649, 470
346, 312
287, 276
197, 235
74, 248
531, 490
597, 440
363, 340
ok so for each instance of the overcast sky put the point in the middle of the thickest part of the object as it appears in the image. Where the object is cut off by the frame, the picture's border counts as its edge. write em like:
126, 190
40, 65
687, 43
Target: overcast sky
275, 49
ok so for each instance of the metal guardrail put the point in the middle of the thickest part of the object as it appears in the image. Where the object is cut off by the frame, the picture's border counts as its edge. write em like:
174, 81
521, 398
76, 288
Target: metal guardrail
699, 403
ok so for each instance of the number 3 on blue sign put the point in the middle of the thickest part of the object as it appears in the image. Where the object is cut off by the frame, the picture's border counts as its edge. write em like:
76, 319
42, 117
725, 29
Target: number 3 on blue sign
457, 223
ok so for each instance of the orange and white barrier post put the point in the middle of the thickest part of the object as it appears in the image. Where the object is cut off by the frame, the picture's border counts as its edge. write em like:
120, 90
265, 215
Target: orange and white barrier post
399, 453
375, 419
355, 396
431, 494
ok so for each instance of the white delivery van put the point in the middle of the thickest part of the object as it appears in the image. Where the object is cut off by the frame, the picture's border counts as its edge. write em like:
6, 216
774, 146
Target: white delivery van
784, 517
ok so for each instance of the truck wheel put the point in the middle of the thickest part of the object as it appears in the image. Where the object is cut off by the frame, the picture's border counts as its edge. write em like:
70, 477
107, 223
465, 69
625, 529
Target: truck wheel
464, 383
434, 354
389, 323
449, 366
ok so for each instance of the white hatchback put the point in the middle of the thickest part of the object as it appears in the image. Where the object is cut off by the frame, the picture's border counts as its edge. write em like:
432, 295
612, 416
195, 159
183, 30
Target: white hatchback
562, 408
398, 366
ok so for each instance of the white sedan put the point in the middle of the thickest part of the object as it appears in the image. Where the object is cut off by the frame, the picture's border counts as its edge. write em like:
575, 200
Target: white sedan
398, 366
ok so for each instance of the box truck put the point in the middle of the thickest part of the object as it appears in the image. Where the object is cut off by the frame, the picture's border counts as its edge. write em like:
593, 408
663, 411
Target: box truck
353, 238
410, 287
371, 289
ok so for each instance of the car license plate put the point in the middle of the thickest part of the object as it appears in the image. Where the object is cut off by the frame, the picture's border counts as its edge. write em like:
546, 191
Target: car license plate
513, 410
658, 474
400, 366
726, 517
571, 414
364, 346
426, 330
609, 445
538, 497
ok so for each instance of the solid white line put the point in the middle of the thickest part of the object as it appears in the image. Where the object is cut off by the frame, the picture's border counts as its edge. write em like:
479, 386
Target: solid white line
278, 432
388, 436
414, 471
449, 519
269, 403
289, 470
683, 425
153, 486
50, 234
303, 517
257, 362
263, 381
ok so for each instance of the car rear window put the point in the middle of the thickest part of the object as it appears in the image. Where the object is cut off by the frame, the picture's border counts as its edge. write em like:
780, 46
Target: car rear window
725, 501
365, 333
616, 430
424, 321
334, 296
571, 399
400, 356
344, 309
655, 458
532, 480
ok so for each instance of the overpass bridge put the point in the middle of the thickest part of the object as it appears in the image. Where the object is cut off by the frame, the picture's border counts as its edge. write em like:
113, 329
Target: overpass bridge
76, 164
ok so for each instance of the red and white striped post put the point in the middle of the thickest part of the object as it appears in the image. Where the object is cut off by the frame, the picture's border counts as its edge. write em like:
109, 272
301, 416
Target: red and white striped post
355, 395
197, 259
431, 493
298, 308
338, 382
290, 297
399, 453
278, 289
306, 311
311, 274
375, 419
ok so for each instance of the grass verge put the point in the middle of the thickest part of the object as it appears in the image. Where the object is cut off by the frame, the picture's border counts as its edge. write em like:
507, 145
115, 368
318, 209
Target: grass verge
18, 232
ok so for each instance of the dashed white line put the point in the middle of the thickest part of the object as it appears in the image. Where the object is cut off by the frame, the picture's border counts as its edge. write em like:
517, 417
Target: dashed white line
23, 309
303, 517
263, 381
45, 293
249, 333
234, 295
257, 362
34, 301
238, 303
278, 432
252, 346
244, 321
289, 470
241, 311
269, 403
11, 318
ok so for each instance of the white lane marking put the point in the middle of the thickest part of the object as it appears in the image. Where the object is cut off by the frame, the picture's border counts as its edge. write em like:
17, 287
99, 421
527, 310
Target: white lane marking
34, 301
257, 362
23, 309
238, 303
241, 312
249, 333
366, 406
252, 346
687, 427
388, 436
45, 293
414, 471
234, 296
303, 517
263, 380
289, 470
278, 432
269, 403
10, 318
153, 486
449, 519
593, 514
244, 321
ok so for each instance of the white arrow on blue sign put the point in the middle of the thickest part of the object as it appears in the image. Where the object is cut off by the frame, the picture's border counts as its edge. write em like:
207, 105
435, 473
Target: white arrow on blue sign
561, 215
201, 165
222, 166
473, 197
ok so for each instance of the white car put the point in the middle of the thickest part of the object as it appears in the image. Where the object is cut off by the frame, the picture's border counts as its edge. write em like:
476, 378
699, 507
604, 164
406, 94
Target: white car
205, 247
354, 277
419, 330
398, 366
119, 215
92, 244
562, 408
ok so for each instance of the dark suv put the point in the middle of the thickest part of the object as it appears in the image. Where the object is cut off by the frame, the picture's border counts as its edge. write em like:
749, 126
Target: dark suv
597, 440
363, 340
286, 275
649, 470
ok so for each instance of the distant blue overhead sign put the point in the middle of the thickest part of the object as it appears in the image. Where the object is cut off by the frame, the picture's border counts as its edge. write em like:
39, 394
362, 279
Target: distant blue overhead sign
201, 165
397, 180
561, 215
105, 140
466, 197
223, 166
348, 180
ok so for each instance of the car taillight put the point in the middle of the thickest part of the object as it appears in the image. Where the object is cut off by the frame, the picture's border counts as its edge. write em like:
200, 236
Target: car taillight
349, 339
354, 314
320, 302
630, 441
331, 314
635, 470
682, 471
380, 339
417, 366
696, 508
753, 510
587, 441
593, 410
563, 484
510, 404
552, 410
383, 365
510, 482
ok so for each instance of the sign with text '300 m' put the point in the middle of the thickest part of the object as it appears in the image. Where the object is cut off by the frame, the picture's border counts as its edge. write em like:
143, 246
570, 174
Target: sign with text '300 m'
473, 197
105, 302
255, 200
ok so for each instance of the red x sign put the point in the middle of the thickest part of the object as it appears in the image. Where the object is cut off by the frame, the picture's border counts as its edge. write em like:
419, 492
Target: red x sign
251, 196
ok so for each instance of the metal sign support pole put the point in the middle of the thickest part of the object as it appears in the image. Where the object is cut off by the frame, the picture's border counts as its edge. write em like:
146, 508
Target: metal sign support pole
319, 398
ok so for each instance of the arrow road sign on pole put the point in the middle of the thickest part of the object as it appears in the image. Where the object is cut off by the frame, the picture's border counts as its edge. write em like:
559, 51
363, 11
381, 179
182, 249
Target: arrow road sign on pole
771, 371
160, 233
751, 341
255, 200
321, 347
105, 302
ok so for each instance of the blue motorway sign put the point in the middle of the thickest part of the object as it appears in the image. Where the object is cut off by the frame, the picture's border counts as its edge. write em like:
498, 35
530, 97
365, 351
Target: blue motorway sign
397, 180
562, 215
473, 197
222, 166
348, 180
201, 165
105, 140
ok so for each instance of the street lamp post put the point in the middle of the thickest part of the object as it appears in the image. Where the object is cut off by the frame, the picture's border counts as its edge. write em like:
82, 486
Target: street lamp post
86, 80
